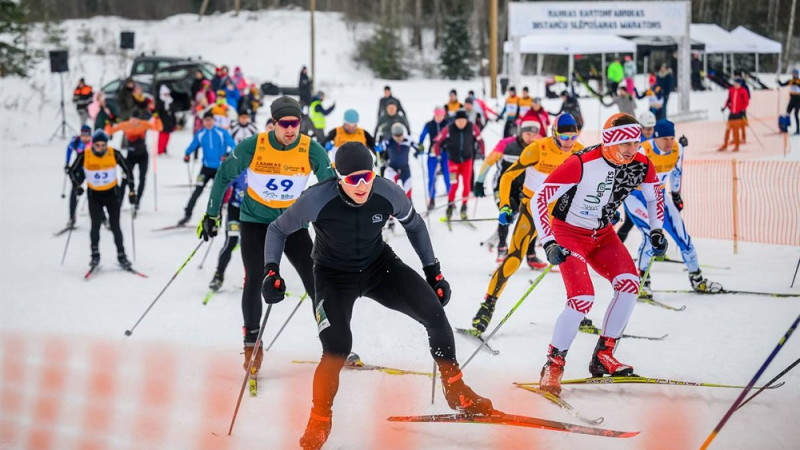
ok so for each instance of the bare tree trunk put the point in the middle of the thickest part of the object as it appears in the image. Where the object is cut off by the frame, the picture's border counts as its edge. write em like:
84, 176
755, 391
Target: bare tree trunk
202, 11
792, 16
437, 22
729, 13
772, 16
416, 34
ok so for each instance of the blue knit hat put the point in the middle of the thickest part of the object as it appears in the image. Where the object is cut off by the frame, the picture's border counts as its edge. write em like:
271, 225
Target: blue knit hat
86, 129
351, 116
664, 128
565, 123
100, 136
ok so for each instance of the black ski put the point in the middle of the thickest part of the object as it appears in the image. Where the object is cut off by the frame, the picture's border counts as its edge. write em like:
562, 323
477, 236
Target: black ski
472, 334
59, 233
727, 291
171, 227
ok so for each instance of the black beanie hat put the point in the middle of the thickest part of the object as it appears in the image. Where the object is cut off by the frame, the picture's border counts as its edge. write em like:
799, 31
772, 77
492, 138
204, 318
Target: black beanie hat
353, 157
285, 107
461, 114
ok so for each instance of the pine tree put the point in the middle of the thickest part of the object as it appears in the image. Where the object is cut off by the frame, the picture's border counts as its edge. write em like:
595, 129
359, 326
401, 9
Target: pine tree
384, 54
457, 55
15, 58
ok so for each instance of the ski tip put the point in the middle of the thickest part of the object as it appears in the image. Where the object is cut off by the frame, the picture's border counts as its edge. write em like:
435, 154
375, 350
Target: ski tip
628, 434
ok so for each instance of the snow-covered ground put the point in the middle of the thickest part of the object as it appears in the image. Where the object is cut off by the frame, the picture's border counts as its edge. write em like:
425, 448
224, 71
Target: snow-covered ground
70, 379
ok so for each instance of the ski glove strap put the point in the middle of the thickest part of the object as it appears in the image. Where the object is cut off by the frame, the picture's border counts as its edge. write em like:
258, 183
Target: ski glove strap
273, 289
440, 286
659, 242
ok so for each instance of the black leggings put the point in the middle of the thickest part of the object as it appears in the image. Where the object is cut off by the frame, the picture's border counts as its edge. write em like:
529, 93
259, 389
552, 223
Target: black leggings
137, 156
297, 250
794, 104
625, 228
110, 201
73, 203
206, 174
394, 285
232, 229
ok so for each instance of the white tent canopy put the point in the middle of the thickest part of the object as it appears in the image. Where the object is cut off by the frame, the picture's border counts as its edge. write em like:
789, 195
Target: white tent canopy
571, 44
718, 40
761, 44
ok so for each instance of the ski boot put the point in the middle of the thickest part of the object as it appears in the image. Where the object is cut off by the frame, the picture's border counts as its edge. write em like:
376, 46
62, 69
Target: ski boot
502, 253
249, 344
484, 314
553, 370
464, 211
604, 362
185, 220
216, 282
449, 211
123, 261
353, 360
460, 397
535, 263
317, 431
95, 258
645, 291
701, 284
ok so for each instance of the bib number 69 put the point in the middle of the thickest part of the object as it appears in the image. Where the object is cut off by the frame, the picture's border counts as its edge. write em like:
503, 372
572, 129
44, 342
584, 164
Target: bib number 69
285, 184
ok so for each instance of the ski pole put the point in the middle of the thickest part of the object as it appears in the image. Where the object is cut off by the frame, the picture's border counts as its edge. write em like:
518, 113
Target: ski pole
64, 187
771, 382
646, 274
519, 302
795, 273
305, 294
749, 386
66, 246
208, 250
249, 368
133, 236
130, 331
433, 383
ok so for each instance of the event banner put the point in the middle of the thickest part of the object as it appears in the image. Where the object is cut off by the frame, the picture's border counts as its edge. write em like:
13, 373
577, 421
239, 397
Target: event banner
619, 18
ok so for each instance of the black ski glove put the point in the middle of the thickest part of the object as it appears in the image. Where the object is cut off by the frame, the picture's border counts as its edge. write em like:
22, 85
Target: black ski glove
677, 200
132, 197
273, 289
434, 277
478, 189
66, 169
659, 242
556, 254
683, 141
208, 227
186, 158
78, 190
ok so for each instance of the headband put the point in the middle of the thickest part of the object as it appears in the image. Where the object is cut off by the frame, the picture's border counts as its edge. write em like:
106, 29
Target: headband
622, 133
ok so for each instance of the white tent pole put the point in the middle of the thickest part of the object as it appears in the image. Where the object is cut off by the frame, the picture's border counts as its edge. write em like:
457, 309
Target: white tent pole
539, 63
571, 68
635, 61
684, 62
516, 73
756, 62
733, 65
603, 73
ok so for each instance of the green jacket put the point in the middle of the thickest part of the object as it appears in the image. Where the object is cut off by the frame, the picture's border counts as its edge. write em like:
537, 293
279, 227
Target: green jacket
239, 160
615, 72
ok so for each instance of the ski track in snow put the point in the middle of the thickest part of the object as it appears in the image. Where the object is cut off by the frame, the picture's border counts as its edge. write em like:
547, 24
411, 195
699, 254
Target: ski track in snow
52, 318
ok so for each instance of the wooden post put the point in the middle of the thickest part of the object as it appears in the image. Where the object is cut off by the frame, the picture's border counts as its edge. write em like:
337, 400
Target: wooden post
735, 197
493, 47
312, 7
202, 10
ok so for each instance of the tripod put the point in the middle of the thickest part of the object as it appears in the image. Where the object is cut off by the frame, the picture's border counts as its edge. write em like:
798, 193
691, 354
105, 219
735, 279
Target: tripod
63, 126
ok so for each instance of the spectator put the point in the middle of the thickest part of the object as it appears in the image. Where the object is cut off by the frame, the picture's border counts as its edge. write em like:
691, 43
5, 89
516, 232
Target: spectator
125, 101
666, 81
238, 79
82, 97
106, 114
217, 80
304, 87
232, 94
737, 105
317, 114
697, 79
167, 117
614, 75
629, 68
624, 101
570, 105
197, 84
794, 98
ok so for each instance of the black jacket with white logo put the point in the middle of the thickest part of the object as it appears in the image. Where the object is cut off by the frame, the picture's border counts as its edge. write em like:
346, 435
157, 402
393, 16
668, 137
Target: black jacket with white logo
348, 235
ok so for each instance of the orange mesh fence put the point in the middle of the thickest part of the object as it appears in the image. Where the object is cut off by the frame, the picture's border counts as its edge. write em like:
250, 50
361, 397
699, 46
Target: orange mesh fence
753, 201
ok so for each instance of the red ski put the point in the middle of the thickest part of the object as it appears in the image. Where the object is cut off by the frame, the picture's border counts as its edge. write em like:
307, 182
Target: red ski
501, 418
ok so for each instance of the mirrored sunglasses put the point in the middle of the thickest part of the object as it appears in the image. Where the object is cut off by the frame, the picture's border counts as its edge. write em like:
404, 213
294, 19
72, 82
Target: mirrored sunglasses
355, 179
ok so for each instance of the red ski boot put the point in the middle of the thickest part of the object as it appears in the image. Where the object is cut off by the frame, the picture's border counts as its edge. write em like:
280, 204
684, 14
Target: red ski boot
317, 431
553, 370
459, 396
604, 362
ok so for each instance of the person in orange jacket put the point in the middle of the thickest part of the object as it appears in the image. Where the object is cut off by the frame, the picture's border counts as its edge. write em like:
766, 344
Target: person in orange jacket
82, 97
135, 130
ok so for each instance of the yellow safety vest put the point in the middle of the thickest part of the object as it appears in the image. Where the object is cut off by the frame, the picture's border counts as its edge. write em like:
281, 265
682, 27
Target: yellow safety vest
317, 118
275, 178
